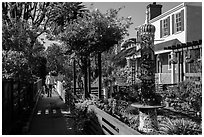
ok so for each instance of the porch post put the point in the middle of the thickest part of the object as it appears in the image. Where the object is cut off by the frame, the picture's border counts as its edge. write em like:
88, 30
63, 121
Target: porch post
182, 65
172, 69
179, 70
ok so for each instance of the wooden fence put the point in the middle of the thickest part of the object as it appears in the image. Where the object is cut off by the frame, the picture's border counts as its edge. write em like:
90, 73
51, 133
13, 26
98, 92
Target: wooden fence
109, 124
17, 97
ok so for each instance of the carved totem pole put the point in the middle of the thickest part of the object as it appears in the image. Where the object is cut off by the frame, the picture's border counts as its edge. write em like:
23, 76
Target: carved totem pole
149, 101
147, 64
148, 120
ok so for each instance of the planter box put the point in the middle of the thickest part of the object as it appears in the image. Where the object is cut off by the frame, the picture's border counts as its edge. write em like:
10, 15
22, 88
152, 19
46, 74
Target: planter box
111, 125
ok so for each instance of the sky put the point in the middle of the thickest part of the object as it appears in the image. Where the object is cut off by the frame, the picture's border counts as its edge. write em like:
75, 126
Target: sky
134, 9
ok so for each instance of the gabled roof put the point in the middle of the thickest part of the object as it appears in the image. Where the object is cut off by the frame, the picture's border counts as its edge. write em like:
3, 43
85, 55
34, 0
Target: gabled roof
126, 43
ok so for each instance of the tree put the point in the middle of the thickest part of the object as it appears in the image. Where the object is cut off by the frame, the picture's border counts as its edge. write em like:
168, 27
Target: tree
55, 59
62, 13
39, 17
59, 62
31, 14
15, 65
24, 23
16, 37
93, 34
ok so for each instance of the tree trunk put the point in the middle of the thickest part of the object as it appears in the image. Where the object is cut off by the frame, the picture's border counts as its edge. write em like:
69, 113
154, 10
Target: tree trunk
86, 95
111, 89
74, 69
89, 76
99, 76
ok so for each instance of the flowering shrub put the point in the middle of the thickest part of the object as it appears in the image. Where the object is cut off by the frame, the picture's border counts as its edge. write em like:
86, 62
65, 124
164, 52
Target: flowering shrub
125, 74
187, 96
82, 114
121, 110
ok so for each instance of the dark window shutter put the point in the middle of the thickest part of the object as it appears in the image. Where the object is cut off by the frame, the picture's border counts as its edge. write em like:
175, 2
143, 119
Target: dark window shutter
173, 24
168, 25
161, 29
182, 20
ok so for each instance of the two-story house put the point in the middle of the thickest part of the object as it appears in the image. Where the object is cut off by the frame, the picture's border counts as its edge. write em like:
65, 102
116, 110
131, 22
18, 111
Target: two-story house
181, 25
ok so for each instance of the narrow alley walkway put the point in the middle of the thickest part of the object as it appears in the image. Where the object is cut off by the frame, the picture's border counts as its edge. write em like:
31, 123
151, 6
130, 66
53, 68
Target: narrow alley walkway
52, 117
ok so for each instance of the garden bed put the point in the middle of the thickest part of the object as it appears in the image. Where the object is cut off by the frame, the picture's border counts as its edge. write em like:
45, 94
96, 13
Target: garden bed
126, 118
171, 121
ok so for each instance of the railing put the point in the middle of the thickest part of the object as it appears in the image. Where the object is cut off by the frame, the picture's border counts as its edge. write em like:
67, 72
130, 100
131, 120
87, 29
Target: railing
195, 76
111, 125
163, 78
17, 97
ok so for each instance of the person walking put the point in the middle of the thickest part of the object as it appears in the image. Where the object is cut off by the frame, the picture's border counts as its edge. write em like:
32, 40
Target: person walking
50, 83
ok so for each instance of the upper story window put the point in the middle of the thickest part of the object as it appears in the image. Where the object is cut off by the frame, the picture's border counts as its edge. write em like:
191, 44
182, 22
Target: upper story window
178, 22
165, 27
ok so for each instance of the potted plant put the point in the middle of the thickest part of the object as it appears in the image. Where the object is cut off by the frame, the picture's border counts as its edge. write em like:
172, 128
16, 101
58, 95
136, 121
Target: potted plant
188, 57
173, 59
189, 60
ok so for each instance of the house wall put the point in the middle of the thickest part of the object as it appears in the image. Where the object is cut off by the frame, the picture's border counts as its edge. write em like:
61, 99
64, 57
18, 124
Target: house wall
194, 22
179, 35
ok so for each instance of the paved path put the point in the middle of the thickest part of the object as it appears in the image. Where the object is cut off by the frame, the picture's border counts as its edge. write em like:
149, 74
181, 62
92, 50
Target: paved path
52, 117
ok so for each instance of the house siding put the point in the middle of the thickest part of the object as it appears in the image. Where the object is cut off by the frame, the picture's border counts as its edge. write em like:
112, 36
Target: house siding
194, 23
